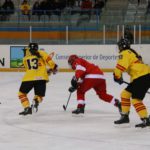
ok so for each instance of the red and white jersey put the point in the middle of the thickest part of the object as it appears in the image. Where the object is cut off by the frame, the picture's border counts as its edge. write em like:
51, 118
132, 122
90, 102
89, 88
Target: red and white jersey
84, 69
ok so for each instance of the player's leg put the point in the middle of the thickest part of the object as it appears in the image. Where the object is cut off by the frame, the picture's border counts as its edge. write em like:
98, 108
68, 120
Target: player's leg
142, 112
141, 85
137, 89
23, 91
125, 107
101, 91
39, 90
86, 85
80, 103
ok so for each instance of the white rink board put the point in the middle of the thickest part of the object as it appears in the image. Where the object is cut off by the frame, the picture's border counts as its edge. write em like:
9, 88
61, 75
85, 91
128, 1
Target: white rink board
4, 56
103, 55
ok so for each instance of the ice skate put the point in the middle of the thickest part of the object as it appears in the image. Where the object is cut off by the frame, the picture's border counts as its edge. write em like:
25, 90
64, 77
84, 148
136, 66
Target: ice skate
35, 105
123, 120
78, 111
27, 111
145, 122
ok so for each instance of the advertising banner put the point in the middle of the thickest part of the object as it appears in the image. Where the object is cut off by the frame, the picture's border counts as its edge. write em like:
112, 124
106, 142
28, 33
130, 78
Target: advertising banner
4, 56
102, 55
105, 56
16, 56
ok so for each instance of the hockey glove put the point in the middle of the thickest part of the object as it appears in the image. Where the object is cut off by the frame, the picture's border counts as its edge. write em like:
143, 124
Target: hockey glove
54, 70
49, 71
118, 80
71, 89
74, 82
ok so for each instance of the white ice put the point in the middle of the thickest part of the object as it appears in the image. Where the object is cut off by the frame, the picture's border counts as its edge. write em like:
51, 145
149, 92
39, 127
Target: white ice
52, 128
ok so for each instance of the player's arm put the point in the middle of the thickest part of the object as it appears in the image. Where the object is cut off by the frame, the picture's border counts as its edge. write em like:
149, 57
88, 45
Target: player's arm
76, 80
122, 65
80, 70
25, 63
53, 67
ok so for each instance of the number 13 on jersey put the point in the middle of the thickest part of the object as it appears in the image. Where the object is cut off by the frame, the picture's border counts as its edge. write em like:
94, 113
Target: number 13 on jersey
32, 63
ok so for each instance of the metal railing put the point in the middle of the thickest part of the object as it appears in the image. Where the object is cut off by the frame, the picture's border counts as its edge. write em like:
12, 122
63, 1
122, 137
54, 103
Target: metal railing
73, 26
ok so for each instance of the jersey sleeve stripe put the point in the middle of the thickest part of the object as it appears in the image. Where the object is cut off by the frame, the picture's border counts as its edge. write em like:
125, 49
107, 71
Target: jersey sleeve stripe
79, 67
120, 67
48, 59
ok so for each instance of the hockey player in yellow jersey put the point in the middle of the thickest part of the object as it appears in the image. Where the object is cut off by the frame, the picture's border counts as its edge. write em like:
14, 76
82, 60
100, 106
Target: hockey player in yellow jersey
131, 62
35, 62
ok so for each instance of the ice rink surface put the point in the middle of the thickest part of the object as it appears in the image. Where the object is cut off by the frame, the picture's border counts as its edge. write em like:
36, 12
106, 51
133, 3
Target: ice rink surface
51, 128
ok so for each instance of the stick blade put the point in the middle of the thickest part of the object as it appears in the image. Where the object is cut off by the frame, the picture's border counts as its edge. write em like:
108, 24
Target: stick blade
64, 107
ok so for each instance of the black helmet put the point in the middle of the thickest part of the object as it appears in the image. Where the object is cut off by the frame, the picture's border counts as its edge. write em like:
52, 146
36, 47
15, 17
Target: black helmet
123, 44
33, 46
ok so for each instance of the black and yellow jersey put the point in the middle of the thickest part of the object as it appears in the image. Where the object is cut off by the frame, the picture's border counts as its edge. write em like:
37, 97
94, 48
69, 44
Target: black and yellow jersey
130, 63
36, 67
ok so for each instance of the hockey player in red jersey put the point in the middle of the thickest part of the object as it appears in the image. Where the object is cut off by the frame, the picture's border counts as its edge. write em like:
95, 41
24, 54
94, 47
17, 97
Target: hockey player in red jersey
88, 76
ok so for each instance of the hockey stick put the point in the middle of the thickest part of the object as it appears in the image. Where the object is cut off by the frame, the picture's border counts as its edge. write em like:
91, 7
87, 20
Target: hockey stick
65, 106
128, 84
125, 82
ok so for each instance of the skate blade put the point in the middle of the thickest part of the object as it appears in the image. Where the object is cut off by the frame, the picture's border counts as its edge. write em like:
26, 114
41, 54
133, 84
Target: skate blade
77, 115
147, 127
124, 125
25, 114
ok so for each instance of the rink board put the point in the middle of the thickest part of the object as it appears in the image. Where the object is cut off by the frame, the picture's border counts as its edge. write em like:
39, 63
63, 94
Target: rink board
105, 56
